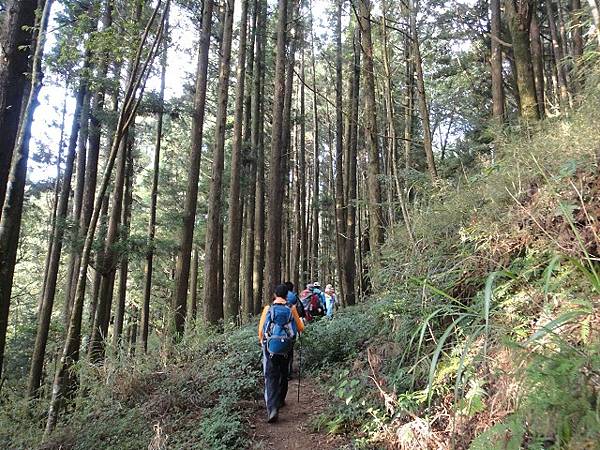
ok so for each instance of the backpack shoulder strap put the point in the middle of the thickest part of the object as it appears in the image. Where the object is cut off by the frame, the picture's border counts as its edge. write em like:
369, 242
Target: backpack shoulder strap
271, 313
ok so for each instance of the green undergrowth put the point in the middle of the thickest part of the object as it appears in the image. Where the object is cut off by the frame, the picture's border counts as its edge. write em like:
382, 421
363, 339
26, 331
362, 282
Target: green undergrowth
488, 322
193, 397
201, 394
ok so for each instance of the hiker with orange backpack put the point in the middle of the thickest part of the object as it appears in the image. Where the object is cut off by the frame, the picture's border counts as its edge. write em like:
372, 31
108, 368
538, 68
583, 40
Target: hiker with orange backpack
278, 328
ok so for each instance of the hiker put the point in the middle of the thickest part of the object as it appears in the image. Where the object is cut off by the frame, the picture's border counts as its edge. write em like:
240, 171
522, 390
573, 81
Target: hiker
313, 301
293, 300
277, 330
329, 300
316, 290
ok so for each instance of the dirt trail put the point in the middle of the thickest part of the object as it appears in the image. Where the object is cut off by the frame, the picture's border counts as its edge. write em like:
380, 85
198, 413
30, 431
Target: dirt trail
293, 431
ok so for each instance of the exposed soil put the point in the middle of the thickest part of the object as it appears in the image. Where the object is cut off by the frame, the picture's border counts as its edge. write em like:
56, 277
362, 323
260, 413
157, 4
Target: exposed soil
293, 430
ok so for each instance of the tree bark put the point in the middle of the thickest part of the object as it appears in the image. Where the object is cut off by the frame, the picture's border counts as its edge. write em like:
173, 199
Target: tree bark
286, 142
57, 186
304, 230
408, 101
47, 302
128, 110
496, 61
193, 305
232, 280
182, 270
518, 14
275, 200
423, 107
558, 57
259, 256
576, 28
213, 303
314, 254
256, 102
10, 222
148, 266
340, 207
117, 229
124, 237
351, 151
108, 261
371, 143
91, 171
537, 56
15, 44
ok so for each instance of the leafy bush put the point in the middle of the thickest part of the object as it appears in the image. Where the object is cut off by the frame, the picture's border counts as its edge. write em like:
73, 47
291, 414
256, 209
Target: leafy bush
328, 342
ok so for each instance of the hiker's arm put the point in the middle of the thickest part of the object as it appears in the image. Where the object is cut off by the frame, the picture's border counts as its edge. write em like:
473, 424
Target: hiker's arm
299, 323
261, 324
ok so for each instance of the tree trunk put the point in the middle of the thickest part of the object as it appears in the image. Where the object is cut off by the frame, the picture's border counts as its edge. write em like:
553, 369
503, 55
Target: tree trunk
126, 115
351, 151
302, 180
232, 281
108, 261
47, 302
371, 143
145, 320
314, 272
57, 185
213, 304
275, 200
97, 276
77, 200
18, 19
259, 256
109, 256
182, 270
124, 237
10, 222
576, 12
193, 305
519, 20
423, 107
133, 330
537, 56
258, 81
558, 57
286, 143
340, 207
496, 61
91, 172
390, 140
408, 101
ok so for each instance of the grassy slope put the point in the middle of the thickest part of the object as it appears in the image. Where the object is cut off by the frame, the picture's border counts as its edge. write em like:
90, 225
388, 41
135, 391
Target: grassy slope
491, 322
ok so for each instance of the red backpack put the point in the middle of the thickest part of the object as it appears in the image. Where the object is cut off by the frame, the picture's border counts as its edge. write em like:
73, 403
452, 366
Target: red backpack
312, 305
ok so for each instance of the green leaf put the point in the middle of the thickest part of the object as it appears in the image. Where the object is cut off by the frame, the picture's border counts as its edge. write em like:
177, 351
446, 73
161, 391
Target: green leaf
554, 263
556, 323
566, 210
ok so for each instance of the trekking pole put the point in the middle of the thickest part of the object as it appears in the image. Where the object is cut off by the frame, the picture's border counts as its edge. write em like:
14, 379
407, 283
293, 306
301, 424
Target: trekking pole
299, 365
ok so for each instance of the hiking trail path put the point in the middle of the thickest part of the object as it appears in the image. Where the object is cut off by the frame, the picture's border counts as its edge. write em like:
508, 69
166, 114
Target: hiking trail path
293, 430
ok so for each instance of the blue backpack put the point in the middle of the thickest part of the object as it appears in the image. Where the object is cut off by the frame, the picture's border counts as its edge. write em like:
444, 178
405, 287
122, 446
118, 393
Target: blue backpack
279, 330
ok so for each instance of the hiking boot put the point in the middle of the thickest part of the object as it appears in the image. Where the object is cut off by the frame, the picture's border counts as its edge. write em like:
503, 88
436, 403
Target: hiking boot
273, 416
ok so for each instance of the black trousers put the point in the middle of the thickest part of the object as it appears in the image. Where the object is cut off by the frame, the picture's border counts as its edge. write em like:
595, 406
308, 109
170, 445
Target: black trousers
275, 369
